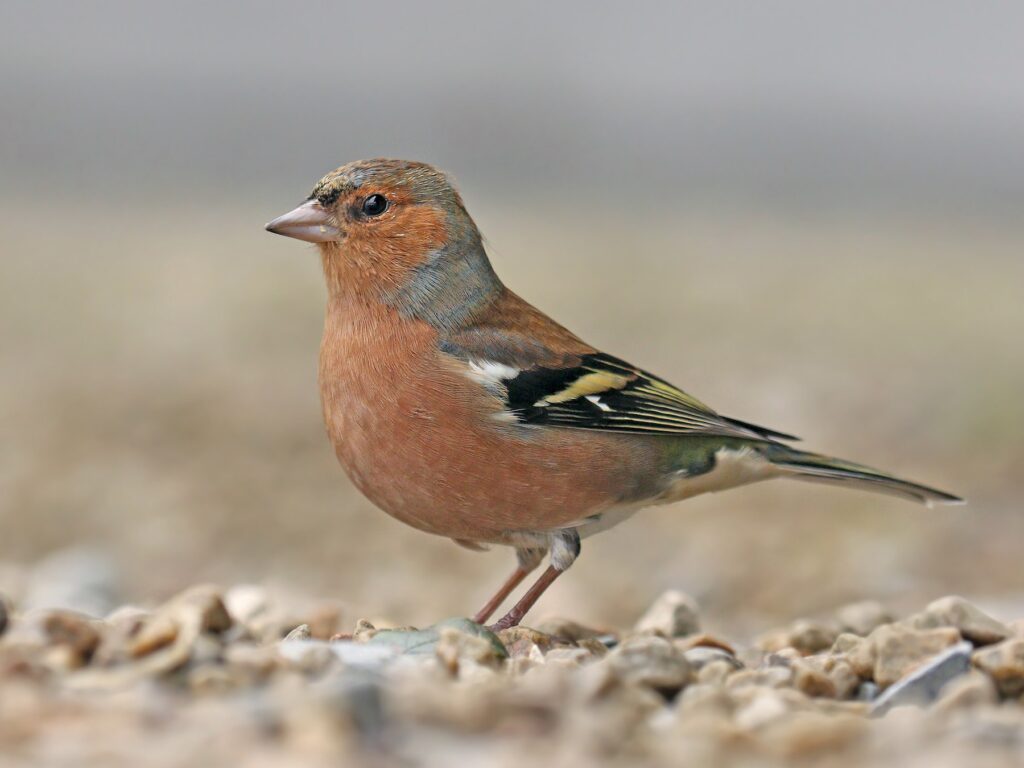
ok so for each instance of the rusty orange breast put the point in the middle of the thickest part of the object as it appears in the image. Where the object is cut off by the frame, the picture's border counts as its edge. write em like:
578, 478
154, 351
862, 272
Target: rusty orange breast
421, 439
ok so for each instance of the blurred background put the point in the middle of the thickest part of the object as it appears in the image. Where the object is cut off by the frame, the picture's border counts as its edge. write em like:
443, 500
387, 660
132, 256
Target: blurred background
806, 214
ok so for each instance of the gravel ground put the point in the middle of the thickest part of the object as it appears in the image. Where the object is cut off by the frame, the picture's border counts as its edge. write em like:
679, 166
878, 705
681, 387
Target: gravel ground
246, 677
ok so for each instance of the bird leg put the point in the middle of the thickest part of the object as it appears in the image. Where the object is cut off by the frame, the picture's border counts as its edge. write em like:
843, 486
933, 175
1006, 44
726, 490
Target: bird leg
527, 561
565, 547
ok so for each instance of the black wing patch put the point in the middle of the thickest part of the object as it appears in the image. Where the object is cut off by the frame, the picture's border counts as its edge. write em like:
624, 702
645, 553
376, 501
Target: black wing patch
606, 393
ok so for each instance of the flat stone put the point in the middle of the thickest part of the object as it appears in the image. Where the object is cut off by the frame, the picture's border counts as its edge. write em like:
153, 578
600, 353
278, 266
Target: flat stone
924, 683
414, 642
1004, 663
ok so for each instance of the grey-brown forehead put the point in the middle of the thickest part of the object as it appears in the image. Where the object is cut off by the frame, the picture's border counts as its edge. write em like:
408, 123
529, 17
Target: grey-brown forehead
423, 181
334, 185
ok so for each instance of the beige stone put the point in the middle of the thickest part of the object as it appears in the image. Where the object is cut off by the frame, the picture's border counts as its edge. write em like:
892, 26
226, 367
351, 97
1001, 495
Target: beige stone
673, 614
862, 617
972, 623
1004, 663
898, 650
650, 661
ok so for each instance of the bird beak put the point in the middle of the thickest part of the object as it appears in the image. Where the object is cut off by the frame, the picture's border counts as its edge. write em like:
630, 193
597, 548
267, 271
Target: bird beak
310, 222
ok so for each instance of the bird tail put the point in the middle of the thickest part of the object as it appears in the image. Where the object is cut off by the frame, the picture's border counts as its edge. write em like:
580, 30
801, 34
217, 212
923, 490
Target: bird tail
814, 467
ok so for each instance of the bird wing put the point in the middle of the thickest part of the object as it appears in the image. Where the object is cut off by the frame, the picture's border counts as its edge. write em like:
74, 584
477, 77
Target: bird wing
576, 387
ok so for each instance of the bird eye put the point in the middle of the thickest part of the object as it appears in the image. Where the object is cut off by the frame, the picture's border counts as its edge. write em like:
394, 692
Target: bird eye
375, 205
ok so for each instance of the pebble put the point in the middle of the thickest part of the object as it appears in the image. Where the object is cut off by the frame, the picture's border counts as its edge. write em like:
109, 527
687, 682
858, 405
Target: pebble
805, 636
897, 650
565, 630
80, 634
770, 677
973, 624
811, 680
1004, 663
715, 672
301, 632
650, 661
862, 617
673, 614
924, 683
209, 669
701, 655
970, 690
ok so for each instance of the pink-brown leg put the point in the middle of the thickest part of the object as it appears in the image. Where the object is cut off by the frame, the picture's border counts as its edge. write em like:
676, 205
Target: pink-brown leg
491, 605
519, 610
528, 559
565, 547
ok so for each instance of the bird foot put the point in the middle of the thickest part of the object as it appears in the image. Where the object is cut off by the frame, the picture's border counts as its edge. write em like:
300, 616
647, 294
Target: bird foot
505, 622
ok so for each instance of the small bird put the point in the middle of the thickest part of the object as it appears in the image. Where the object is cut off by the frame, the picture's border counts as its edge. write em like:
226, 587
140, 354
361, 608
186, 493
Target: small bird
460, 409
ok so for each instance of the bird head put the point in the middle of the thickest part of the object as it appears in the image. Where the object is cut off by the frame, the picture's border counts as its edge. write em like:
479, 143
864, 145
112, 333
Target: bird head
397, 231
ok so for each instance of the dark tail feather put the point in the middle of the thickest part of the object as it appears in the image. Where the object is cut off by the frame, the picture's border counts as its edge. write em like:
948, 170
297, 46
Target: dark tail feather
825, 469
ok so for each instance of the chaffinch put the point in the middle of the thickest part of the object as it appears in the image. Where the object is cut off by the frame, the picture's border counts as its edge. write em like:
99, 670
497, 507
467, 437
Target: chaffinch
460, 409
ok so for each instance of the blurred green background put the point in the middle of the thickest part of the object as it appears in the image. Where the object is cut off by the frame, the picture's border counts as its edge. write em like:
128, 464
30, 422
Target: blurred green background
806, 214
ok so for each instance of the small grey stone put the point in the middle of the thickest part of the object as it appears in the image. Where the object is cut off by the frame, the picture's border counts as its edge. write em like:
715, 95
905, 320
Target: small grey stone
923, 684
867, 691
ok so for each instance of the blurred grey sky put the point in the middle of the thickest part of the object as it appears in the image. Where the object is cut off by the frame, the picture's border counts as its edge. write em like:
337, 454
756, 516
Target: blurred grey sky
917, 105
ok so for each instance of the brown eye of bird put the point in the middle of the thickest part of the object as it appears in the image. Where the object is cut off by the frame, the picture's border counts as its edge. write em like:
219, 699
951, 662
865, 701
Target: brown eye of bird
375, 205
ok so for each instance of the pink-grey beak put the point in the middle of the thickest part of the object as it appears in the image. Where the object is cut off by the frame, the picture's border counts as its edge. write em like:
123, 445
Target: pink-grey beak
310, 222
